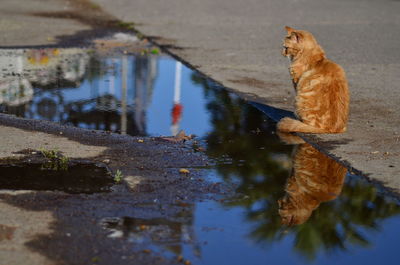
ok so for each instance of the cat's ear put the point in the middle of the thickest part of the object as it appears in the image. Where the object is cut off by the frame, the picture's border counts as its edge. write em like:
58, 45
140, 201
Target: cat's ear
296, 36
289, 30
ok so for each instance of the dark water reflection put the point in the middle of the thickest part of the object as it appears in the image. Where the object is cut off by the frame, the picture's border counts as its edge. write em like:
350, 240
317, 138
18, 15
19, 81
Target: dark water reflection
292, 193
165, 234
292, 204
77, 178
77, 87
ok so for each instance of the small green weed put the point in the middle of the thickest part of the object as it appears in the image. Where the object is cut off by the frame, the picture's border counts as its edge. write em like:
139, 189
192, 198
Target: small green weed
63, 162
118, 176
147, 51
50, 154
56, 161
155, 51
126, 25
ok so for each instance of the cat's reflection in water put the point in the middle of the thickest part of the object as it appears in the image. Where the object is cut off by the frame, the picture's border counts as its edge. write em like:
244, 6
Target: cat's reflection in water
315, 178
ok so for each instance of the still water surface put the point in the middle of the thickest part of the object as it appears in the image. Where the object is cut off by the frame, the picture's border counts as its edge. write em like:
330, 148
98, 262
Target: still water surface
292, 205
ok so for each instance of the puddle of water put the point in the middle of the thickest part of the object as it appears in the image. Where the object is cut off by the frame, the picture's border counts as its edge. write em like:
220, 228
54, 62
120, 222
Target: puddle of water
121, 93
78, 178
160, 234
292, 205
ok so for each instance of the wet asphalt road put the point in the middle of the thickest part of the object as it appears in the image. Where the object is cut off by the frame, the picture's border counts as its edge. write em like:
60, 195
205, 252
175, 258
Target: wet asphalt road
53, 227
238, 43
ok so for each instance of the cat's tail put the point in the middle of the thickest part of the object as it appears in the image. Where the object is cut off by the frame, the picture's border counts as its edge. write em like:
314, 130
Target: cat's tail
291, 125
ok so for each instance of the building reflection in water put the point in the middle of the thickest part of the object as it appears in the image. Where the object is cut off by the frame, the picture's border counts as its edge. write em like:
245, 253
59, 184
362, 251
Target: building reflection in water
177, 108
74, 86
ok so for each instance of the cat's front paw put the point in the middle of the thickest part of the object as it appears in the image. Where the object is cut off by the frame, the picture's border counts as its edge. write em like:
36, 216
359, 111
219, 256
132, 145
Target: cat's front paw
284, 124
289, 138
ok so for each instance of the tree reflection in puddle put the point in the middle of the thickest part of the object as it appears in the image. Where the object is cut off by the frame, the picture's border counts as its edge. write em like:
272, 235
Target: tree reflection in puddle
304, 196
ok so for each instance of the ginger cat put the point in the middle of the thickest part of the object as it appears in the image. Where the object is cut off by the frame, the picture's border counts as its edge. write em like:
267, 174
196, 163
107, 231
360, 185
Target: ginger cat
322, 94
315, 178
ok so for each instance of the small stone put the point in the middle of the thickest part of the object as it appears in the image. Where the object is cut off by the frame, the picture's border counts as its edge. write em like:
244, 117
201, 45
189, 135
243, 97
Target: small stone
143, 227
106, 161
140, 141
184, 171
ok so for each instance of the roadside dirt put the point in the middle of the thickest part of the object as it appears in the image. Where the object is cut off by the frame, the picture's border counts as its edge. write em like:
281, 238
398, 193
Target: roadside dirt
150, 188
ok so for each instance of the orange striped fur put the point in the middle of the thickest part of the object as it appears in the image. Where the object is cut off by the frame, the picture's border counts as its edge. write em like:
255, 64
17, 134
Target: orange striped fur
315, 178
322, 94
